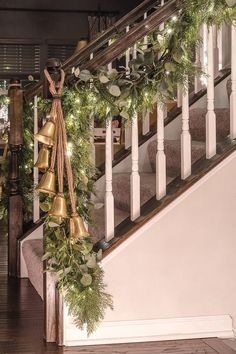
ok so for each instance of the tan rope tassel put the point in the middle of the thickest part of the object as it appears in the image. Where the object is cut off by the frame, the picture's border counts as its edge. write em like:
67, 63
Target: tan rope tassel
62, 140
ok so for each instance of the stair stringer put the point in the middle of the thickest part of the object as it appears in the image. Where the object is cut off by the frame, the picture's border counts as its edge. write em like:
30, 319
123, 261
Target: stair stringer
175, 276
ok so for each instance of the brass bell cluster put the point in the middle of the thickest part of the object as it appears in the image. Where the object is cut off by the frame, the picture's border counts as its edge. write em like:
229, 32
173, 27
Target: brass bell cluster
53, 137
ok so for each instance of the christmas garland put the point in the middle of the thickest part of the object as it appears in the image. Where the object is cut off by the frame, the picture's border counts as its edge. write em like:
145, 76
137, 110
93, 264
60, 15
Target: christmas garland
153, 76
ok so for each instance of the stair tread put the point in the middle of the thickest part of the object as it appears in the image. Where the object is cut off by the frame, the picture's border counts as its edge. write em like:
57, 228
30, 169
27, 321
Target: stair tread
121, 188
98, 229
173, 154
197, 123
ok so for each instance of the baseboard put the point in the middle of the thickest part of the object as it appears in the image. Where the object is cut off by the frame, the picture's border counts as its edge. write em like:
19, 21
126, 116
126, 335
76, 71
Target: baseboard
151, 330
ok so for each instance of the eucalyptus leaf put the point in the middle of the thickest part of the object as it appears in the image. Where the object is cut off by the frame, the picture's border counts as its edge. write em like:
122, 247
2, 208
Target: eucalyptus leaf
124, 114
86, 280
52, 224
112, 74
85, 75
45, 206
169, 66
103, 79
115, 90
92, 263
99, 255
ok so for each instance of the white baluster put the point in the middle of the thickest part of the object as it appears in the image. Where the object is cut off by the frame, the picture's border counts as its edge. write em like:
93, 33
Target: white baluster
197, 79
220, 47
146, 114
233, 78
185, 137
210, 116
179, 97
109, 66
204, 47
146, 122
162, 25
109, 198
216, 51
135, 178
36, 209
160, 156
127, 128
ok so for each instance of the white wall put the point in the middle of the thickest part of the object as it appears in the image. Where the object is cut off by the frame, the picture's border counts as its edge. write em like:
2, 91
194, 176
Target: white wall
175, 277
182, 262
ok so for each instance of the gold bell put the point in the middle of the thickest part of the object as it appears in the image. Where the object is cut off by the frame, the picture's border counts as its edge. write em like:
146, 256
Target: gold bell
77, 227
43, 159
47, 133
47, 183
58, 208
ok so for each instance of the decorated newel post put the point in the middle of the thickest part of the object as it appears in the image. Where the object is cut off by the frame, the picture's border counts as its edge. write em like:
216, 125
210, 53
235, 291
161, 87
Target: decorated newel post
69, 249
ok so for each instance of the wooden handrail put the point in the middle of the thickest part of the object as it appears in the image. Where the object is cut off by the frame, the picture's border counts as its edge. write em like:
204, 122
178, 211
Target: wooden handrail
150, 23
130, 38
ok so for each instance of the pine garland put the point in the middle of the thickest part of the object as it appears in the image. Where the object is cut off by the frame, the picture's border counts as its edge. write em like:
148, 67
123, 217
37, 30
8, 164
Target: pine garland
153, 77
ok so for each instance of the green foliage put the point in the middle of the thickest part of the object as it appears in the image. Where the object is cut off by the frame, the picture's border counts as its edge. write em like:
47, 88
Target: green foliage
79, 277
152, 77
167, 62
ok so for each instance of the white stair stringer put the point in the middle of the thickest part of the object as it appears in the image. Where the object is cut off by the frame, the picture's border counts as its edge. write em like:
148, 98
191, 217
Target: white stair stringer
175, 276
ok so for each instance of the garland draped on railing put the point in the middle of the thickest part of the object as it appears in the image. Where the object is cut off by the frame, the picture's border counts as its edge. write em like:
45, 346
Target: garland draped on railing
153, 77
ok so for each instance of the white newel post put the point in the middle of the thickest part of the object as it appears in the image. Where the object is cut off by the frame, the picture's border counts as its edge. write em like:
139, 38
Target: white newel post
233, 78
36, 209
109, 198
135, 178
146, 114
210, 116
185, 137
160, 156
127, 129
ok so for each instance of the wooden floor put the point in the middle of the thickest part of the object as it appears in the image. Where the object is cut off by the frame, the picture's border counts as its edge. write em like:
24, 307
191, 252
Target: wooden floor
21, 326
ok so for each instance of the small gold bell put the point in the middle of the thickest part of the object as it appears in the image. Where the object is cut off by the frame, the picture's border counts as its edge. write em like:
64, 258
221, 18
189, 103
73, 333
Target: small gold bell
77, 227
46, 133
43, 159
59, 208
47, 183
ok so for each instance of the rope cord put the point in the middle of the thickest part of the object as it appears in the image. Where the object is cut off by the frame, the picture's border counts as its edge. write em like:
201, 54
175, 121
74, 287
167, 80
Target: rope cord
60, 151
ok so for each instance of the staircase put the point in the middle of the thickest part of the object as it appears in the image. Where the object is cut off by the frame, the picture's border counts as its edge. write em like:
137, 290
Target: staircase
187, 153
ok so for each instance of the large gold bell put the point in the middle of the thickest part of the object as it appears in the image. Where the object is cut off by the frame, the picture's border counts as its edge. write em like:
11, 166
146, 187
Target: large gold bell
58, 208
46, 133
77, 227
47, 183
43, 159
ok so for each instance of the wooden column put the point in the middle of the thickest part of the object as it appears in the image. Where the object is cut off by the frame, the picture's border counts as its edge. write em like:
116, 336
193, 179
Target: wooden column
15, 208
51, 297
